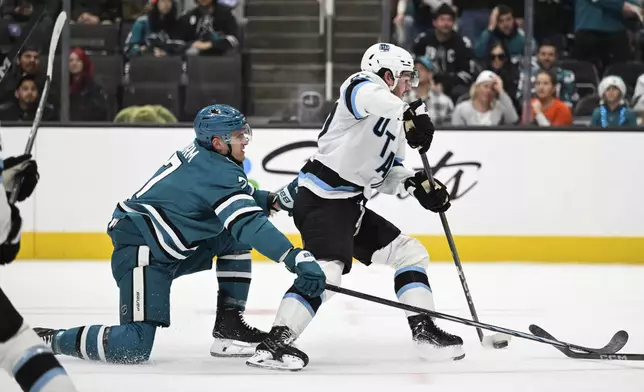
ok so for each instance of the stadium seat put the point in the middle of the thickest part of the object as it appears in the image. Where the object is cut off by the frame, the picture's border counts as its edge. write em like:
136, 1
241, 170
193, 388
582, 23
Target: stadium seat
629, 71
215, 69
586, 75
199, 95
164, 94
124, 31
95, 38
149, 69
109, 71
586, 105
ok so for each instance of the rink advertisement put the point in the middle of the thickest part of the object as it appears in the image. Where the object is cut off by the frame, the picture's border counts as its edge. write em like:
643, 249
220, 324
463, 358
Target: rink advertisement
517, 196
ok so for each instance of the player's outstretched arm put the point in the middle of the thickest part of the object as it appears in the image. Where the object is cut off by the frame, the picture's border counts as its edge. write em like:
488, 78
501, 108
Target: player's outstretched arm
248, 224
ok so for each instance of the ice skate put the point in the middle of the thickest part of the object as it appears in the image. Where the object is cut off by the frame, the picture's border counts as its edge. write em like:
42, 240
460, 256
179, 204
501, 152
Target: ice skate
433, 343
233, 336
276, 352
47, 336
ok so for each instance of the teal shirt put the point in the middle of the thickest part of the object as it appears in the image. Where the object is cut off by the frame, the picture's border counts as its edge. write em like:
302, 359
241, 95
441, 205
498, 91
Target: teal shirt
194, 197
613, 117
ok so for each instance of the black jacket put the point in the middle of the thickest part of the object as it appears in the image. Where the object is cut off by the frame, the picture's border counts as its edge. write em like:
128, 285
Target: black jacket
452, 59
217, 25
90, 104
11, 111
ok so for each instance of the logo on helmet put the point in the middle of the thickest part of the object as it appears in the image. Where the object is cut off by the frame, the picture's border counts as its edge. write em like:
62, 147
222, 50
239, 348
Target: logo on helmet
384, 47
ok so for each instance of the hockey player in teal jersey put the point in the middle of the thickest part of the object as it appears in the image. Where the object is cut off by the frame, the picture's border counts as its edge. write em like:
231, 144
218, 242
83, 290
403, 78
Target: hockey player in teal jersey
197, 206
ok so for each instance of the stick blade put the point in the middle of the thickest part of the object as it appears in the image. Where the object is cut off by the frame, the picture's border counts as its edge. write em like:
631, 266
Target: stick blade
616, 343
55, 37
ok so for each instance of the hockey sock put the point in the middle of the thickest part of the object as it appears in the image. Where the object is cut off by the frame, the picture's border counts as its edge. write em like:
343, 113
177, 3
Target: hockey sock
296, 310
412, 288
233, 275
32, 364
127, 343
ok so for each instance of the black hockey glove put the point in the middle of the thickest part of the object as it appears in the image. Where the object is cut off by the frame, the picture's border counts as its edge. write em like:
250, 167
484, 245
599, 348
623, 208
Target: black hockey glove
9, 250
17, 168
419, 128
435, 200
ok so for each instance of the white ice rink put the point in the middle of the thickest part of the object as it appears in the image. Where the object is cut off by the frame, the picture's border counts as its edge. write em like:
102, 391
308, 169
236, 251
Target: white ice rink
355, 345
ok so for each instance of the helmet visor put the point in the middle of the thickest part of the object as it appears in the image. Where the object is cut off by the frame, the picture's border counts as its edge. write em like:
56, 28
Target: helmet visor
240, 136
411, 76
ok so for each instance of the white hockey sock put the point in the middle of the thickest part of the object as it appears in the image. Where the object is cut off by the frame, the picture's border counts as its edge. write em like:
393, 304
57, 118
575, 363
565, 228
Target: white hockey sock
296, 311
27, 359
412, 288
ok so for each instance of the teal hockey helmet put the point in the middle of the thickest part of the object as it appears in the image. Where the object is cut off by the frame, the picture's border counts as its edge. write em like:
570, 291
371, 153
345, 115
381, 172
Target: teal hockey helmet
221, 121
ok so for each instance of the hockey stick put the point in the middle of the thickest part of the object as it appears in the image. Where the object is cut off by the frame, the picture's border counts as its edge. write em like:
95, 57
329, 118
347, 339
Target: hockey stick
497, 340
538, 331
58, 29
617, 342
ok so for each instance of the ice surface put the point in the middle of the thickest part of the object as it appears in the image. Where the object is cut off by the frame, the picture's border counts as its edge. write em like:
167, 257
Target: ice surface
356, 345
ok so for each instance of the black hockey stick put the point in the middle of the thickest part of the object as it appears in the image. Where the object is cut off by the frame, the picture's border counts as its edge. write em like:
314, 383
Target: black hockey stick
607, 355
616, 343
58, 29
496, 341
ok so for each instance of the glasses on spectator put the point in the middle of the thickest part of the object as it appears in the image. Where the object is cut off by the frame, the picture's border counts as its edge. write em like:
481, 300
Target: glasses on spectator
498, 56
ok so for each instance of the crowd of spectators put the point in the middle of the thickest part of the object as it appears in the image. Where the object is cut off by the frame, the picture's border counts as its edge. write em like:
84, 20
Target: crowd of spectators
586, 60
159, 28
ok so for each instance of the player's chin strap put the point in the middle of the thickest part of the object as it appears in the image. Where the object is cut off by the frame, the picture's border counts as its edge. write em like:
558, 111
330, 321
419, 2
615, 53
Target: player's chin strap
229, 155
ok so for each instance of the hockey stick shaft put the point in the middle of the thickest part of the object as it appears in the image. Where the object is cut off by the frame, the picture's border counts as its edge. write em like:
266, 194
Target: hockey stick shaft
456, 319
58, 28
452, 248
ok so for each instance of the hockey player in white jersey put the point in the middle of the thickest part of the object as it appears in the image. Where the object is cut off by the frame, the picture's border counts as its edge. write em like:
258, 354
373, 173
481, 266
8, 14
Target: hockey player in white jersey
361, 147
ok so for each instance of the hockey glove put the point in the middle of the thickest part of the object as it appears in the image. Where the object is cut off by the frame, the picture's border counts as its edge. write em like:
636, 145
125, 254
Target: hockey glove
435, 200
9, 250
17, 168
419, 128
285, 198
310, 279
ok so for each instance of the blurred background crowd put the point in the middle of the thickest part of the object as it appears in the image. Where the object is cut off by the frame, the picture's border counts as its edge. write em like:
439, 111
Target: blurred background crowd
160, 61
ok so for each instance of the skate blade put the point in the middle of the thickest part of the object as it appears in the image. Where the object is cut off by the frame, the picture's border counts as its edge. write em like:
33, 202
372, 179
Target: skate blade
229, 348
264, 360
431, 353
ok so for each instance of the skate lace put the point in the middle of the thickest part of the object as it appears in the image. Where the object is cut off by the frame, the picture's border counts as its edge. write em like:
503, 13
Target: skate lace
245, 324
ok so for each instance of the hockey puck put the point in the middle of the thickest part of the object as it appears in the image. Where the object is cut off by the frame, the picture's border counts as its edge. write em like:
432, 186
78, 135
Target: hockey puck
500, 344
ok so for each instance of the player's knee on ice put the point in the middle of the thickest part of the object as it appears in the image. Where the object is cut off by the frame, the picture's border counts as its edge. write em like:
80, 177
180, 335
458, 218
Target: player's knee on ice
127, 343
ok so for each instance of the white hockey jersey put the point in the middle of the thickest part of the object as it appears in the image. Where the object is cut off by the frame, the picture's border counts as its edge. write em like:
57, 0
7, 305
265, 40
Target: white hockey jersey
361, 141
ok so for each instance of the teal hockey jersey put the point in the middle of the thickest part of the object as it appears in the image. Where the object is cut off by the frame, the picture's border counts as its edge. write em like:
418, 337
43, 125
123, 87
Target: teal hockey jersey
194, 197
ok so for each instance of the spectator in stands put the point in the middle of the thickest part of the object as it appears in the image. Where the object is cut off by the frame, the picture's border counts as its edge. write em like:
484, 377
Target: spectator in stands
25, 102
132, 9
489, 104
439, 106
28, 64
502, 28
546, 60
547, 109
451, 57
211, 28
474, 17
553, 21
87, 100
17, 10
159, 32
421, 13
499, 62
600, 31
96, 11
613, 110
638, 95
